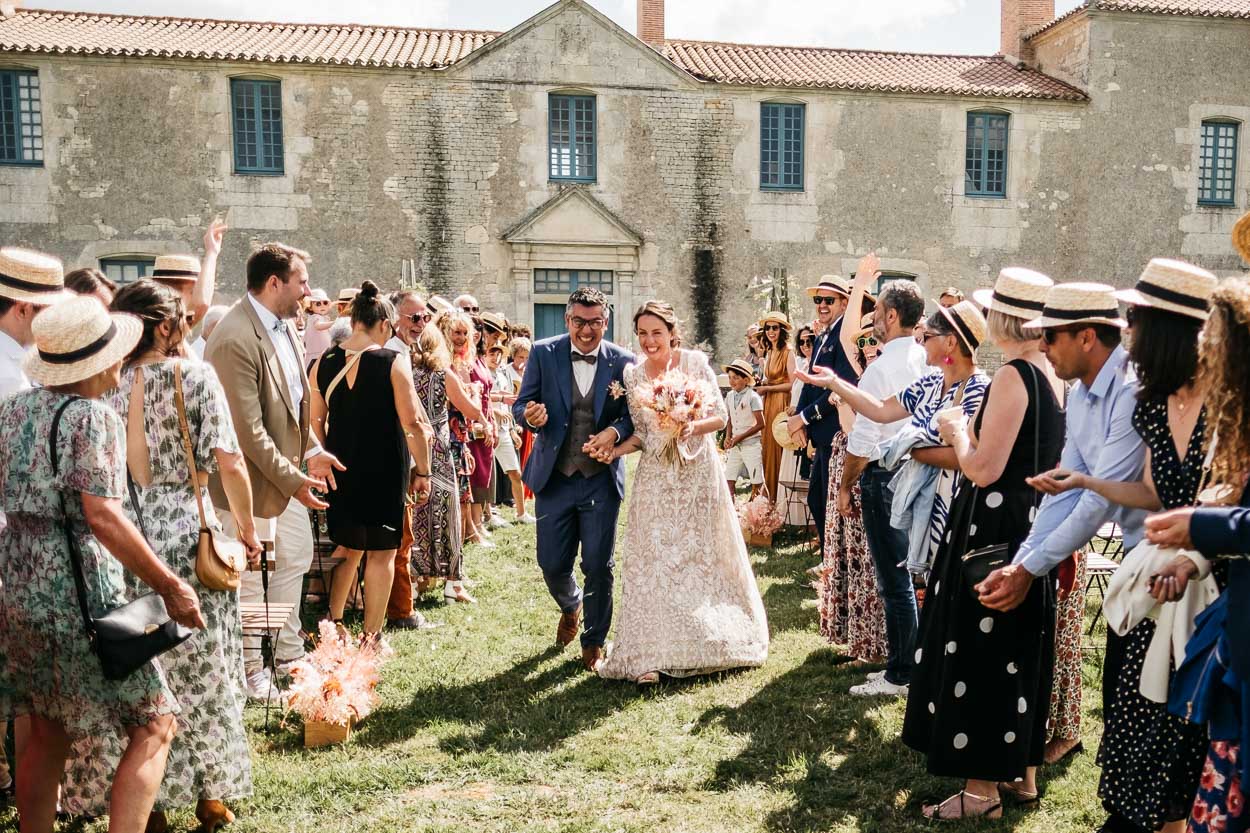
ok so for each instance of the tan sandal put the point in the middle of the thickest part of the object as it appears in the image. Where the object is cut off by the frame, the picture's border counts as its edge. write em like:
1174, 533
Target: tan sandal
1028, 800
937, 812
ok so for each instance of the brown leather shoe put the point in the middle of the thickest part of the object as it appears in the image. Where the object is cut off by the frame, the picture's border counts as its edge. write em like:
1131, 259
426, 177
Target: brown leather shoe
157, 822
592, 656
569, 625
212, 814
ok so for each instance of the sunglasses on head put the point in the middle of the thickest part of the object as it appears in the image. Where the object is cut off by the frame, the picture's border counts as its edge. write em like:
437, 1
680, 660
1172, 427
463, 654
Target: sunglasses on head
866, 341
825, 299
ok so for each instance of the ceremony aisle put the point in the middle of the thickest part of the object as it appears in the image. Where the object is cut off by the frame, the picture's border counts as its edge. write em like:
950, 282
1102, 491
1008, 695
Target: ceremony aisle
484, 726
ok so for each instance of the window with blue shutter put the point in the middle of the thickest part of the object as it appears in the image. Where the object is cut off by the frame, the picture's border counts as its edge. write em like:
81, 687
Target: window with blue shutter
985, 160
571, 137
124, 270
21, 118
1217, 164
257, 109
781, 146
549, 317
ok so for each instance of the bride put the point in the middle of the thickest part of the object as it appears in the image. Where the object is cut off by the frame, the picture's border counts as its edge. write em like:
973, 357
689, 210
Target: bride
689, 604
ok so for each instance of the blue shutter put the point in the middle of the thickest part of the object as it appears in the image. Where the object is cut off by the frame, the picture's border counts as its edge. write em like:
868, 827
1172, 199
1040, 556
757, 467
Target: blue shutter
257, 107
1217, 164
985, 155
21, 118
571, 137
781, 146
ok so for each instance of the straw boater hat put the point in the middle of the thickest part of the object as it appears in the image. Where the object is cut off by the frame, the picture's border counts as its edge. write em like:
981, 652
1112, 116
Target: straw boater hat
1174, 286
953, 291
967, 321
76, 339
1018, 292
32, 277
176, 268
781, 432
1079, 303
494, 321
865, 325
347, 295
1241, 237
775, 317
741, 366
840, 285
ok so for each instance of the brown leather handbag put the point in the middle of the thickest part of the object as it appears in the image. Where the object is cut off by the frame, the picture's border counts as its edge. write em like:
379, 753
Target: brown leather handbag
219, 561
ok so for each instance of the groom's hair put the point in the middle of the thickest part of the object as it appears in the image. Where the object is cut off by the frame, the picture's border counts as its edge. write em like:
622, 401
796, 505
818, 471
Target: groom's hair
587, 296
903, 297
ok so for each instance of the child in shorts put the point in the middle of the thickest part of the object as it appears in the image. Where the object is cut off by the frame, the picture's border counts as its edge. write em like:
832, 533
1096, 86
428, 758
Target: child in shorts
742, 433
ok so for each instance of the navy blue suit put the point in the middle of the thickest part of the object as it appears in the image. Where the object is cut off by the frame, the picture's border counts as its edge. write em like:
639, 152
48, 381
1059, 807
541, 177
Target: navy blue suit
821, 417
575, 510
1225, 530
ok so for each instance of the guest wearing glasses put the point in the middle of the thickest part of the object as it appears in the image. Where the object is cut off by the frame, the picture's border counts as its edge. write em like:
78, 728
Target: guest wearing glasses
794, 464
317, 324
775, 389
468, 305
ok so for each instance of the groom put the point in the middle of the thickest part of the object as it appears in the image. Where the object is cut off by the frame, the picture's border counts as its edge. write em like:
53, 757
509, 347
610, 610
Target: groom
572, 399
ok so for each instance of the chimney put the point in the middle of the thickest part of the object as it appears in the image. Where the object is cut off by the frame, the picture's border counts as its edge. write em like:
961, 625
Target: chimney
651, 23
1019, 18
8, 8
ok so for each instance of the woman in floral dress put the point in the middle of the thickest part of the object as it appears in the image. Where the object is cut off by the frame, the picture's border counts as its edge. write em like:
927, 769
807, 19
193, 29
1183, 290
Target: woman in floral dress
210, 761
48, 670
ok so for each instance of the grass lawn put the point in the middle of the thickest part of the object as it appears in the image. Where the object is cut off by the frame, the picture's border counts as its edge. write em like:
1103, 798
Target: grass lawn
484, 726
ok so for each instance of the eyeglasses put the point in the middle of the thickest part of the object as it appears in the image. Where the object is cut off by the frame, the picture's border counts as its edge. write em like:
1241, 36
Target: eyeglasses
592, 323
866, 341
418, 316
825, 299
928, 335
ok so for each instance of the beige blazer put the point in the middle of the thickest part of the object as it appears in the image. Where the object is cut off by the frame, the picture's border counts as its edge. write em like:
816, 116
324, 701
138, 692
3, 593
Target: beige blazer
273, 434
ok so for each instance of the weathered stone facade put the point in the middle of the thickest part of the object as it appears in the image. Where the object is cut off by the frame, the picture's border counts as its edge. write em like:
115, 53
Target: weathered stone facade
449, 168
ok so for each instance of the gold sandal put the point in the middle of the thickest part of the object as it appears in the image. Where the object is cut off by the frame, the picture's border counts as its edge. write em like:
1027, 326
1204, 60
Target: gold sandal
934, 812
1029, 800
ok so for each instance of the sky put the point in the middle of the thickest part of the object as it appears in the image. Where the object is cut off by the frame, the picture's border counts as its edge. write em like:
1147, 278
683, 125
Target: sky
941, 26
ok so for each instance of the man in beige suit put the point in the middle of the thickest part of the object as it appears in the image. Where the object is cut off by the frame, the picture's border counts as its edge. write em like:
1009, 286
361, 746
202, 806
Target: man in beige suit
260, 362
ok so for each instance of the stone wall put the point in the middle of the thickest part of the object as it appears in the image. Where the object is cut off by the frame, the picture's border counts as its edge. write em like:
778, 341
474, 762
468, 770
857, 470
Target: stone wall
384, 166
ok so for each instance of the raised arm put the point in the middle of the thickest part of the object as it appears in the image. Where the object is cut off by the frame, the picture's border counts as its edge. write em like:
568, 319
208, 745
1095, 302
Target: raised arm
866, 274
202, 292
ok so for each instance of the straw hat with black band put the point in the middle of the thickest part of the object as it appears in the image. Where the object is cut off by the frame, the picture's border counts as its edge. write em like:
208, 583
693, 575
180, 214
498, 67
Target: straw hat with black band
1079, 303
346, 296
741, 366
1173, 286
775, 317
967, 322
841, 286
1018, 292
78, 338
32, 277
176, 268
865, 325
494, 321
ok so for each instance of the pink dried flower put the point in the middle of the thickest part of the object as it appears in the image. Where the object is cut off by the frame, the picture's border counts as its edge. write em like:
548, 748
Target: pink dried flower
759, 516
337, 681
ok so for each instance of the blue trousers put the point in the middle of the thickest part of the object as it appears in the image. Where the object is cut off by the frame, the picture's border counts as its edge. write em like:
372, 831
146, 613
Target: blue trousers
575, 511
818, 490
889, 549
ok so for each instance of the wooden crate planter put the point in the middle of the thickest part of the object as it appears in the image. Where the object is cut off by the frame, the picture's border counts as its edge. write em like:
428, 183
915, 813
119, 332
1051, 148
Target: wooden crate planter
759, 540
319, 733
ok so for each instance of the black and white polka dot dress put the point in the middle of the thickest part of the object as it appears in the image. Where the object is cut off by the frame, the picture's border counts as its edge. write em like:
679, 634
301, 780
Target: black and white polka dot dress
1151, 761
980, 692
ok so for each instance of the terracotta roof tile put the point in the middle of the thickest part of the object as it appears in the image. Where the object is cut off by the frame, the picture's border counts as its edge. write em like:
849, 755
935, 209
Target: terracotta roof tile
844, 69
36, 30
1194, 8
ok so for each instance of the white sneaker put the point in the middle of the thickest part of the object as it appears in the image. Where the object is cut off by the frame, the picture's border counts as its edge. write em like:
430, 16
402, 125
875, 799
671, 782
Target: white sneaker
527, 518
498, 522
876, 675
880, 687
261, 687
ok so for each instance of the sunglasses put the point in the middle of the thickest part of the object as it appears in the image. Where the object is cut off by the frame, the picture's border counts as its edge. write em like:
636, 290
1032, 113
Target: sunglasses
418, 316
1130, 315
1051, 334
772, 326
928, 335
806, 341
470, 309
825, 299
866, 341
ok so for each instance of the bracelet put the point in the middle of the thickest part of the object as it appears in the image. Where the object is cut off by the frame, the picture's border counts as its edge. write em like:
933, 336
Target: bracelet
419, 474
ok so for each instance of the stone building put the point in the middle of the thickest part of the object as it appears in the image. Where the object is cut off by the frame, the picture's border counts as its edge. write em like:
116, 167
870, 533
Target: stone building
568, 151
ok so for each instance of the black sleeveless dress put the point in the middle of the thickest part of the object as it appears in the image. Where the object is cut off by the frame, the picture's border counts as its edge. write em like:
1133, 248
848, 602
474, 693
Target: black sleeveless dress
366, 510
1152, 760
980, 693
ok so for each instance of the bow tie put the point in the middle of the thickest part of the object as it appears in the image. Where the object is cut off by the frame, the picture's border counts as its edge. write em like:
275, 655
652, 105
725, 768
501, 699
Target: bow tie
583, 357
279, 325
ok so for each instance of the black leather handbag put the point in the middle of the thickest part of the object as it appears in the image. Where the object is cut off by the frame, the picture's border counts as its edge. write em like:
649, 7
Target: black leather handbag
976, 566
128, 637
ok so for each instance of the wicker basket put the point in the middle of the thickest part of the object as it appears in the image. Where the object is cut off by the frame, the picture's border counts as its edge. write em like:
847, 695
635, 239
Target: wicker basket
319, 733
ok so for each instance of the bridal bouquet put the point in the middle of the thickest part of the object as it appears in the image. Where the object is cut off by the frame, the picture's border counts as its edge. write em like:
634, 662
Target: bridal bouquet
337, 682
760, 519
677, 399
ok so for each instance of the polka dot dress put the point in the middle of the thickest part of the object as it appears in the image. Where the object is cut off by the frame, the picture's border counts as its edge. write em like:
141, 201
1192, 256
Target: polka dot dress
980, 692
1151, 761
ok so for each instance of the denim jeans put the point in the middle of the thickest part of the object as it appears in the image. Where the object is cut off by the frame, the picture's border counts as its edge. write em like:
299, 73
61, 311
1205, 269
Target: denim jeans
889, 549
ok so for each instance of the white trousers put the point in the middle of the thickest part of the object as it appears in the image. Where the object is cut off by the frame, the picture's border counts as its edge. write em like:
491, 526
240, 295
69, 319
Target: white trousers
293, 552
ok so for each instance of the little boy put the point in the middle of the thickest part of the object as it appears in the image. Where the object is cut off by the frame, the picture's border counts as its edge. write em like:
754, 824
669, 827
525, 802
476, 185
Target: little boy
746, 421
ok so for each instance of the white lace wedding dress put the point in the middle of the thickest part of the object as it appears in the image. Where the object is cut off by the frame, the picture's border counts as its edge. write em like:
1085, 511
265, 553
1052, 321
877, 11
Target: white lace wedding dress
689, 602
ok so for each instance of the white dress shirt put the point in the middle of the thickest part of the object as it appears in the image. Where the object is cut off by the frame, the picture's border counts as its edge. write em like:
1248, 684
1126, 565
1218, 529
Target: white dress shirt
280, 334
900, 363
197, 347
584, 372
12, 377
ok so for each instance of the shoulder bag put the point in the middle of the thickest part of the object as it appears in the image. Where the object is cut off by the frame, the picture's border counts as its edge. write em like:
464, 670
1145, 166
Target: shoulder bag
976, 566
127, 637
219, 561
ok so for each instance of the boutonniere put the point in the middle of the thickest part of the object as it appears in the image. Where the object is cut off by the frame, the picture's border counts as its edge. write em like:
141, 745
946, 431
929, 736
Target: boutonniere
616, 390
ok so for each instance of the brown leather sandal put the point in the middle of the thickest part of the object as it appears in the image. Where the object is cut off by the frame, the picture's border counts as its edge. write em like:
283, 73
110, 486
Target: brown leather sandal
938, 812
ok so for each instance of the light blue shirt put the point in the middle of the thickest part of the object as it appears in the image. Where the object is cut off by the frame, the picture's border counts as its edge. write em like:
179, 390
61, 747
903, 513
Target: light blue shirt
284, 345
1101, 442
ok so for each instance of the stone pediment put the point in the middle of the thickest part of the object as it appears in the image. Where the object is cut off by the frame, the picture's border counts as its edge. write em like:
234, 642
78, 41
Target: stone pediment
573, 217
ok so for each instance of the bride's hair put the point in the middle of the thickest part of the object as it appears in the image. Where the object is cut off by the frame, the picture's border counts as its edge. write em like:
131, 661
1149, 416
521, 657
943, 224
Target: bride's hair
663, 311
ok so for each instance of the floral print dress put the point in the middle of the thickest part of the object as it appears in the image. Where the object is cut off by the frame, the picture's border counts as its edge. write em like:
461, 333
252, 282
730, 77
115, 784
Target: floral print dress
210, 757
47, 667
